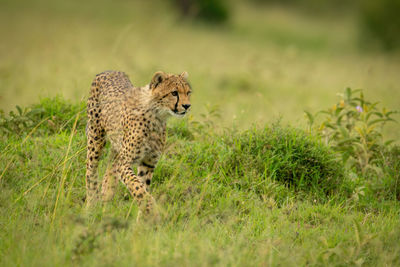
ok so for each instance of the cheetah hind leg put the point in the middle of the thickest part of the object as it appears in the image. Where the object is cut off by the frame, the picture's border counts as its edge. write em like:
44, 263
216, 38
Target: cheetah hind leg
110, 180
95, 144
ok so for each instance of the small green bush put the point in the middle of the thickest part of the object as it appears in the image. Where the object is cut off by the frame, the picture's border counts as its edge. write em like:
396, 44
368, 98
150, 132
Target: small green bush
50, 116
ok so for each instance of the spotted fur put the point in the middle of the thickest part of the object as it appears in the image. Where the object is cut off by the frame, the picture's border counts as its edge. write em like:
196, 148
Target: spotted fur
133, 120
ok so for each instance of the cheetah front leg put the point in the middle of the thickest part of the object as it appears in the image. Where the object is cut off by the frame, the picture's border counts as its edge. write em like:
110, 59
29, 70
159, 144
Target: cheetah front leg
145, 173
132, 153
136, 187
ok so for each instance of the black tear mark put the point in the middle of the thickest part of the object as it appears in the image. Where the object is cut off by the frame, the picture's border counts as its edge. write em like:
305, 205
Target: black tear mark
176, 104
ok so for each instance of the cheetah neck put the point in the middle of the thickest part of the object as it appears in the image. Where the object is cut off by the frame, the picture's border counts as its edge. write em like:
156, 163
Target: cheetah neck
140, 98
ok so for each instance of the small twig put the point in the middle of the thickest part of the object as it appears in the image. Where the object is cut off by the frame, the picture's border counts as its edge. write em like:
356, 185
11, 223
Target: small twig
129, 211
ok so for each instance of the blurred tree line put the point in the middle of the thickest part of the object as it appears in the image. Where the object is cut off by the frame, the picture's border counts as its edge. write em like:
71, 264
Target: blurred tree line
379, 19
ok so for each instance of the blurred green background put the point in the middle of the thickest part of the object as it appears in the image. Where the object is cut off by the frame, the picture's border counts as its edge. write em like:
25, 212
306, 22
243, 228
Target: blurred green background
257, 60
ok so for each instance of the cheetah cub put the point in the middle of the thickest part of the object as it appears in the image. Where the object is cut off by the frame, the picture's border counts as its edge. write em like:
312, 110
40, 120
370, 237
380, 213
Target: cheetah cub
133, 120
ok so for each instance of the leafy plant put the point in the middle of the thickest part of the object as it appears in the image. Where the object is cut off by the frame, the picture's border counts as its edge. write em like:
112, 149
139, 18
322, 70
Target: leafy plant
353, 127
18, 121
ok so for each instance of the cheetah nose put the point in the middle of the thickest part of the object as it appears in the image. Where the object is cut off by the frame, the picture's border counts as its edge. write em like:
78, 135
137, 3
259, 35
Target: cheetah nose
186, 106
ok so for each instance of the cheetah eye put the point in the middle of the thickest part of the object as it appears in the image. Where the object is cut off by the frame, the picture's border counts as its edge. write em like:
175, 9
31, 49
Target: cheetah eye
175, 93
189, 93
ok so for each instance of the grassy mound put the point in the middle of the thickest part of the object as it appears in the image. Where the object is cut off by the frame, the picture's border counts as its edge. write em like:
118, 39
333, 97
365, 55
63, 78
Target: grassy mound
286, 155
264, 161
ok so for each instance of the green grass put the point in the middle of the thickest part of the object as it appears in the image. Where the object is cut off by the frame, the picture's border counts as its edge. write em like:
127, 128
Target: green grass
264, 196
238, 189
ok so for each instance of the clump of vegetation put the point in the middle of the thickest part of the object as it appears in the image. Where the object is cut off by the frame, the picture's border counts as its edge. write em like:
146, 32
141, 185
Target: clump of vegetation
286, 155
253, 160
353, 127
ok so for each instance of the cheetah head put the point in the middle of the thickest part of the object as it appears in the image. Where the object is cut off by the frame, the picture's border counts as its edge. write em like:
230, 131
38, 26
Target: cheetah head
171, 93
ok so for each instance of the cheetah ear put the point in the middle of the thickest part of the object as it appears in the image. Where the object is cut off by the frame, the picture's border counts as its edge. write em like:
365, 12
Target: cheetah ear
184, 75
158, 78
